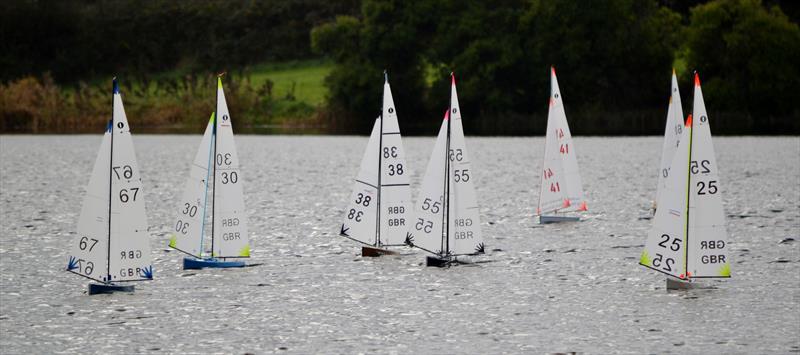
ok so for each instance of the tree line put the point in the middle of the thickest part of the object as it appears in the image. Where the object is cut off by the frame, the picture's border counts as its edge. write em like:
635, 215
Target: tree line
613, 57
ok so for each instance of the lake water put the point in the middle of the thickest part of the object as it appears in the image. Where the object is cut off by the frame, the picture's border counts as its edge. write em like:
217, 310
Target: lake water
542, 289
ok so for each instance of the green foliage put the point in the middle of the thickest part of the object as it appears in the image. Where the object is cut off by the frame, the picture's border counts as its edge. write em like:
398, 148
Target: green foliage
286, 95
82, 39
610, 53
388, 37
747, 57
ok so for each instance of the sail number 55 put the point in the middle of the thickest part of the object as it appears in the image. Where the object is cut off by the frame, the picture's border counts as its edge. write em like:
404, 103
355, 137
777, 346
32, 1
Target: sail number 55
423, 225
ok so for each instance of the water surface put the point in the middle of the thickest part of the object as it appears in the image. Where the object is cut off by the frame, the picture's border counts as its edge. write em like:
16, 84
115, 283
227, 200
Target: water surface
556, 288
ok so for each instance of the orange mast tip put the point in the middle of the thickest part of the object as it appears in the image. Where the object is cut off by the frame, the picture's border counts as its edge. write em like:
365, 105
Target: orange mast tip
689, 120
696, 79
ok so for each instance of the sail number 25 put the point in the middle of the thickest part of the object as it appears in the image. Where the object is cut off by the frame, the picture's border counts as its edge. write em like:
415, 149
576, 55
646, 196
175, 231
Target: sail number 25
659, 260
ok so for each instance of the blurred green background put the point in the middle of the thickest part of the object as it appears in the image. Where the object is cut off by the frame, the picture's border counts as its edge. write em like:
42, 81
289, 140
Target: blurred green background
314, 66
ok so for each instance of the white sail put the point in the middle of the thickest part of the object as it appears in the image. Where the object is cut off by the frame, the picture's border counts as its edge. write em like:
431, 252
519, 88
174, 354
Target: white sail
89, 251
361, 214
672, 134
230, 236
665, 247
188, 230
688, 238
395, 193
465, 224
707, 247
130, 246
112, 242
426, 228
561, 188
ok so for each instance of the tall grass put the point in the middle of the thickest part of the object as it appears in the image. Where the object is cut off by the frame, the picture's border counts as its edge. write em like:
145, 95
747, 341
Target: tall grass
160, 104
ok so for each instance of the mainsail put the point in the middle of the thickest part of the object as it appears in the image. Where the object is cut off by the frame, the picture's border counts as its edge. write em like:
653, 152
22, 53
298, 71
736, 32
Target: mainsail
229, 236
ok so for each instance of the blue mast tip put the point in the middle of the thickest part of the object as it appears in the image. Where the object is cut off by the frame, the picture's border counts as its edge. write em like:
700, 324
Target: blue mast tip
116, 85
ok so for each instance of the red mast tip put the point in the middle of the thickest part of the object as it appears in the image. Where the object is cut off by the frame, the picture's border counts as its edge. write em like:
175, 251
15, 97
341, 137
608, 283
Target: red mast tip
696, 79
689, 120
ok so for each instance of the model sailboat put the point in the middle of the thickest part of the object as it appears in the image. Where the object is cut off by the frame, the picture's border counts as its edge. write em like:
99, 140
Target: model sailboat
561, 189
216, 160
672, 137
112, 244
447, 220
380, 203
688, 239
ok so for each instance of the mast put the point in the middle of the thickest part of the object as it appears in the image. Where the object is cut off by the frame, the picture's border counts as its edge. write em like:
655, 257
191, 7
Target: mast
544, 155
210, 161
380, 170
689, 188
115, 90
446, 216
214, 163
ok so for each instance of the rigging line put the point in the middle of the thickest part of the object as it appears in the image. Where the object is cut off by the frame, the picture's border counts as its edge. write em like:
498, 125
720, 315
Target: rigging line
447, 165
188, 253
380, 172
110, 181
688, 198
205, 193
88, 277
544, 156
214, 182
366, 183
444, 188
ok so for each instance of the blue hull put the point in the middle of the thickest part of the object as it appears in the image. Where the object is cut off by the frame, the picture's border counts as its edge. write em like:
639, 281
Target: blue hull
558, 219
195, 264
96, 289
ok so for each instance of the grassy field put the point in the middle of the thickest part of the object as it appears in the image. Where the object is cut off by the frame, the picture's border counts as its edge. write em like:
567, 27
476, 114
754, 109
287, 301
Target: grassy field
305, 78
